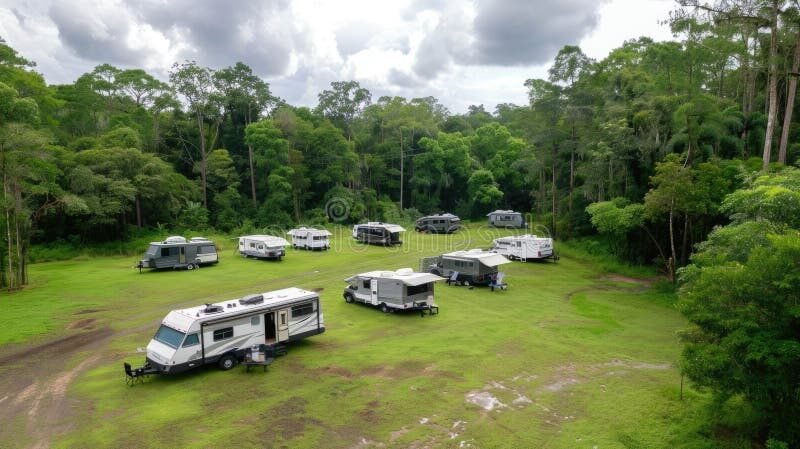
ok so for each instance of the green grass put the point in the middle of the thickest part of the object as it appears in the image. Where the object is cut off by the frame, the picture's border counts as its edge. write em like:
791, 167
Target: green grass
590, 361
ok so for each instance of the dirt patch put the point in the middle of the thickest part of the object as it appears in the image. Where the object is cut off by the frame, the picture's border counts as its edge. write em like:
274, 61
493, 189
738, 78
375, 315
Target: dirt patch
318, 289
645, 282
288, 419
370, 413
82, 324
485, 400
62, 346
85, 311
333, 370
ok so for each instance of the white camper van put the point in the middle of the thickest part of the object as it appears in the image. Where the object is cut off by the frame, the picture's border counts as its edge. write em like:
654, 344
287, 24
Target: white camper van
222, 332
262, 246
393, 290
310, 238
524, 247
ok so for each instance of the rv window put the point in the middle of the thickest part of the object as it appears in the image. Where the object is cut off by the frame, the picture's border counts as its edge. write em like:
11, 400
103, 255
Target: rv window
255, 320
302, 310
152, 251
252, 245
169, 336
191, 340
260, 246
366, 283
206, 250
222, 334
417, 289
283, 319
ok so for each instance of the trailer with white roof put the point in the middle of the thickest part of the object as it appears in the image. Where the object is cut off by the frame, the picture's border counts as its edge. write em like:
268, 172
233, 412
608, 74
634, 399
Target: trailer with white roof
524, 247
393, 290
470, 267
262, 246
310, 238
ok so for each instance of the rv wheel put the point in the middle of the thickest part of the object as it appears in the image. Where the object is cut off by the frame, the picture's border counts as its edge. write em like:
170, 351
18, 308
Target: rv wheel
227, 362
348, 298
190, 266
384, 308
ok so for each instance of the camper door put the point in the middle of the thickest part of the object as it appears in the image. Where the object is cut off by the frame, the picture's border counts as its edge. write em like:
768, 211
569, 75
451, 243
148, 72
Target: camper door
373, 292
283, 325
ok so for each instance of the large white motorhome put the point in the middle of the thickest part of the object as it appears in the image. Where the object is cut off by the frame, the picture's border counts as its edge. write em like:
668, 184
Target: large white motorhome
524, 247
222, 332
378, 233
393, 290
176, 252
310, 238
262, 246
470, 267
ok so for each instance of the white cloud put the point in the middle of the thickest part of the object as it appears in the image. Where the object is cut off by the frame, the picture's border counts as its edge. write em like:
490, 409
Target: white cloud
461, 51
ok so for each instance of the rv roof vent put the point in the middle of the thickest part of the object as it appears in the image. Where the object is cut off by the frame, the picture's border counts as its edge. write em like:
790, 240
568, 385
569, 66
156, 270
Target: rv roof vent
199, 239
475, 251
175, 239
404, 272
387, 274
213, 308
252, 299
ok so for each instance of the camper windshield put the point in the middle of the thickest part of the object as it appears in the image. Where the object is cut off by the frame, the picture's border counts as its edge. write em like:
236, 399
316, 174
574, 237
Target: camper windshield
169, 336
152, 251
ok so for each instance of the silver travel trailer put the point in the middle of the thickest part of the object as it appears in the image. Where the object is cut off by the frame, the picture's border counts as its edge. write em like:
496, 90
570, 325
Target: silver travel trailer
222, 333
262, 246
176, 252
439, 223
524, 247
378, 233
471, 267
506, 219
310, 238
393, 290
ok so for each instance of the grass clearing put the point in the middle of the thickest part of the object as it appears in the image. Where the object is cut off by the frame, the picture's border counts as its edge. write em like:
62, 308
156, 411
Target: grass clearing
567, 357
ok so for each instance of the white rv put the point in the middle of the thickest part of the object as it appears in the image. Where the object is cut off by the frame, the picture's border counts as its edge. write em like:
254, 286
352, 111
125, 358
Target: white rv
393, 290
262, 246
310, 238
524, 247
222, 332
506, 219
176, 252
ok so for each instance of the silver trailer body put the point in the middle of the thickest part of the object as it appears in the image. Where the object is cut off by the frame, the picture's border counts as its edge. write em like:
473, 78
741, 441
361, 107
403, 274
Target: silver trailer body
439, 223
262, 246
176, 252
378, 233
221, 332
473, 266
524, 247
506, 219
310, 238
392, 290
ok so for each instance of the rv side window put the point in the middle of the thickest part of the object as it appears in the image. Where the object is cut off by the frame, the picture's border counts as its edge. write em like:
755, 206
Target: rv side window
191, 340
255, 320
206, 250
366, 283
171, 251
302, 310
222, 334
417, 289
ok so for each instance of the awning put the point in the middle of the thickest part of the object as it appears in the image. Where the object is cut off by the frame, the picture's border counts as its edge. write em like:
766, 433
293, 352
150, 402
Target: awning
419, 279
395, 228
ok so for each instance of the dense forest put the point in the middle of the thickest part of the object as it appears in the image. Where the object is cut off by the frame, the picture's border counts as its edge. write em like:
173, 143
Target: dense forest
655, 148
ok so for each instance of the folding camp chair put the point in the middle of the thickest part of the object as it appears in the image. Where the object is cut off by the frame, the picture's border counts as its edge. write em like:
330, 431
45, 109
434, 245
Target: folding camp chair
453, 279
497, 282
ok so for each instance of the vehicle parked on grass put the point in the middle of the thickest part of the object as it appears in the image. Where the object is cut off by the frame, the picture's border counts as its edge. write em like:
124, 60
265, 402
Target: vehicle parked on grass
223, 332
393, 290
176, 252
470, 267
262, 246
310, 238
524, 247
378, 233
506, 219
439, 223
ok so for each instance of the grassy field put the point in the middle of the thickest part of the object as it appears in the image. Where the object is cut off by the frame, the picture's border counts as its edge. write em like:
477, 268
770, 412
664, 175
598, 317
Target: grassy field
568, 357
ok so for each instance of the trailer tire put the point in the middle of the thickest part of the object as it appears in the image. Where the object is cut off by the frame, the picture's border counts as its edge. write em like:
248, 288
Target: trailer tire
227, 362
348, 298
190, 266
384, 308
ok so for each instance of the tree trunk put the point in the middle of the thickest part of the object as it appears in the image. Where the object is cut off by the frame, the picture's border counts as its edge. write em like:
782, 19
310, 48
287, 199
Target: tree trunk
554, 192
401, 171
252, 174
200, 129
671, 265
773, 84
787, 115
138, 212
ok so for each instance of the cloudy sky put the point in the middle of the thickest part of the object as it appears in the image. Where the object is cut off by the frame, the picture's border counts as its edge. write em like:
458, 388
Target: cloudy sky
462, 52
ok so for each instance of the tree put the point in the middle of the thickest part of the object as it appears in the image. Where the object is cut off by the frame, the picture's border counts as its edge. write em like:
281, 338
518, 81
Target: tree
343, 103
483, 192
740, 294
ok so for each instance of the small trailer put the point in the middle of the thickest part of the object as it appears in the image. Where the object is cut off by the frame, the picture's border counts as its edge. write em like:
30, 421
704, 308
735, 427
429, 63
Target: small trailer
225, 333
262, 246
524, 247
394, 290
439, 223
378, 233
471, 267
177, 253
506, 219
310, 238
